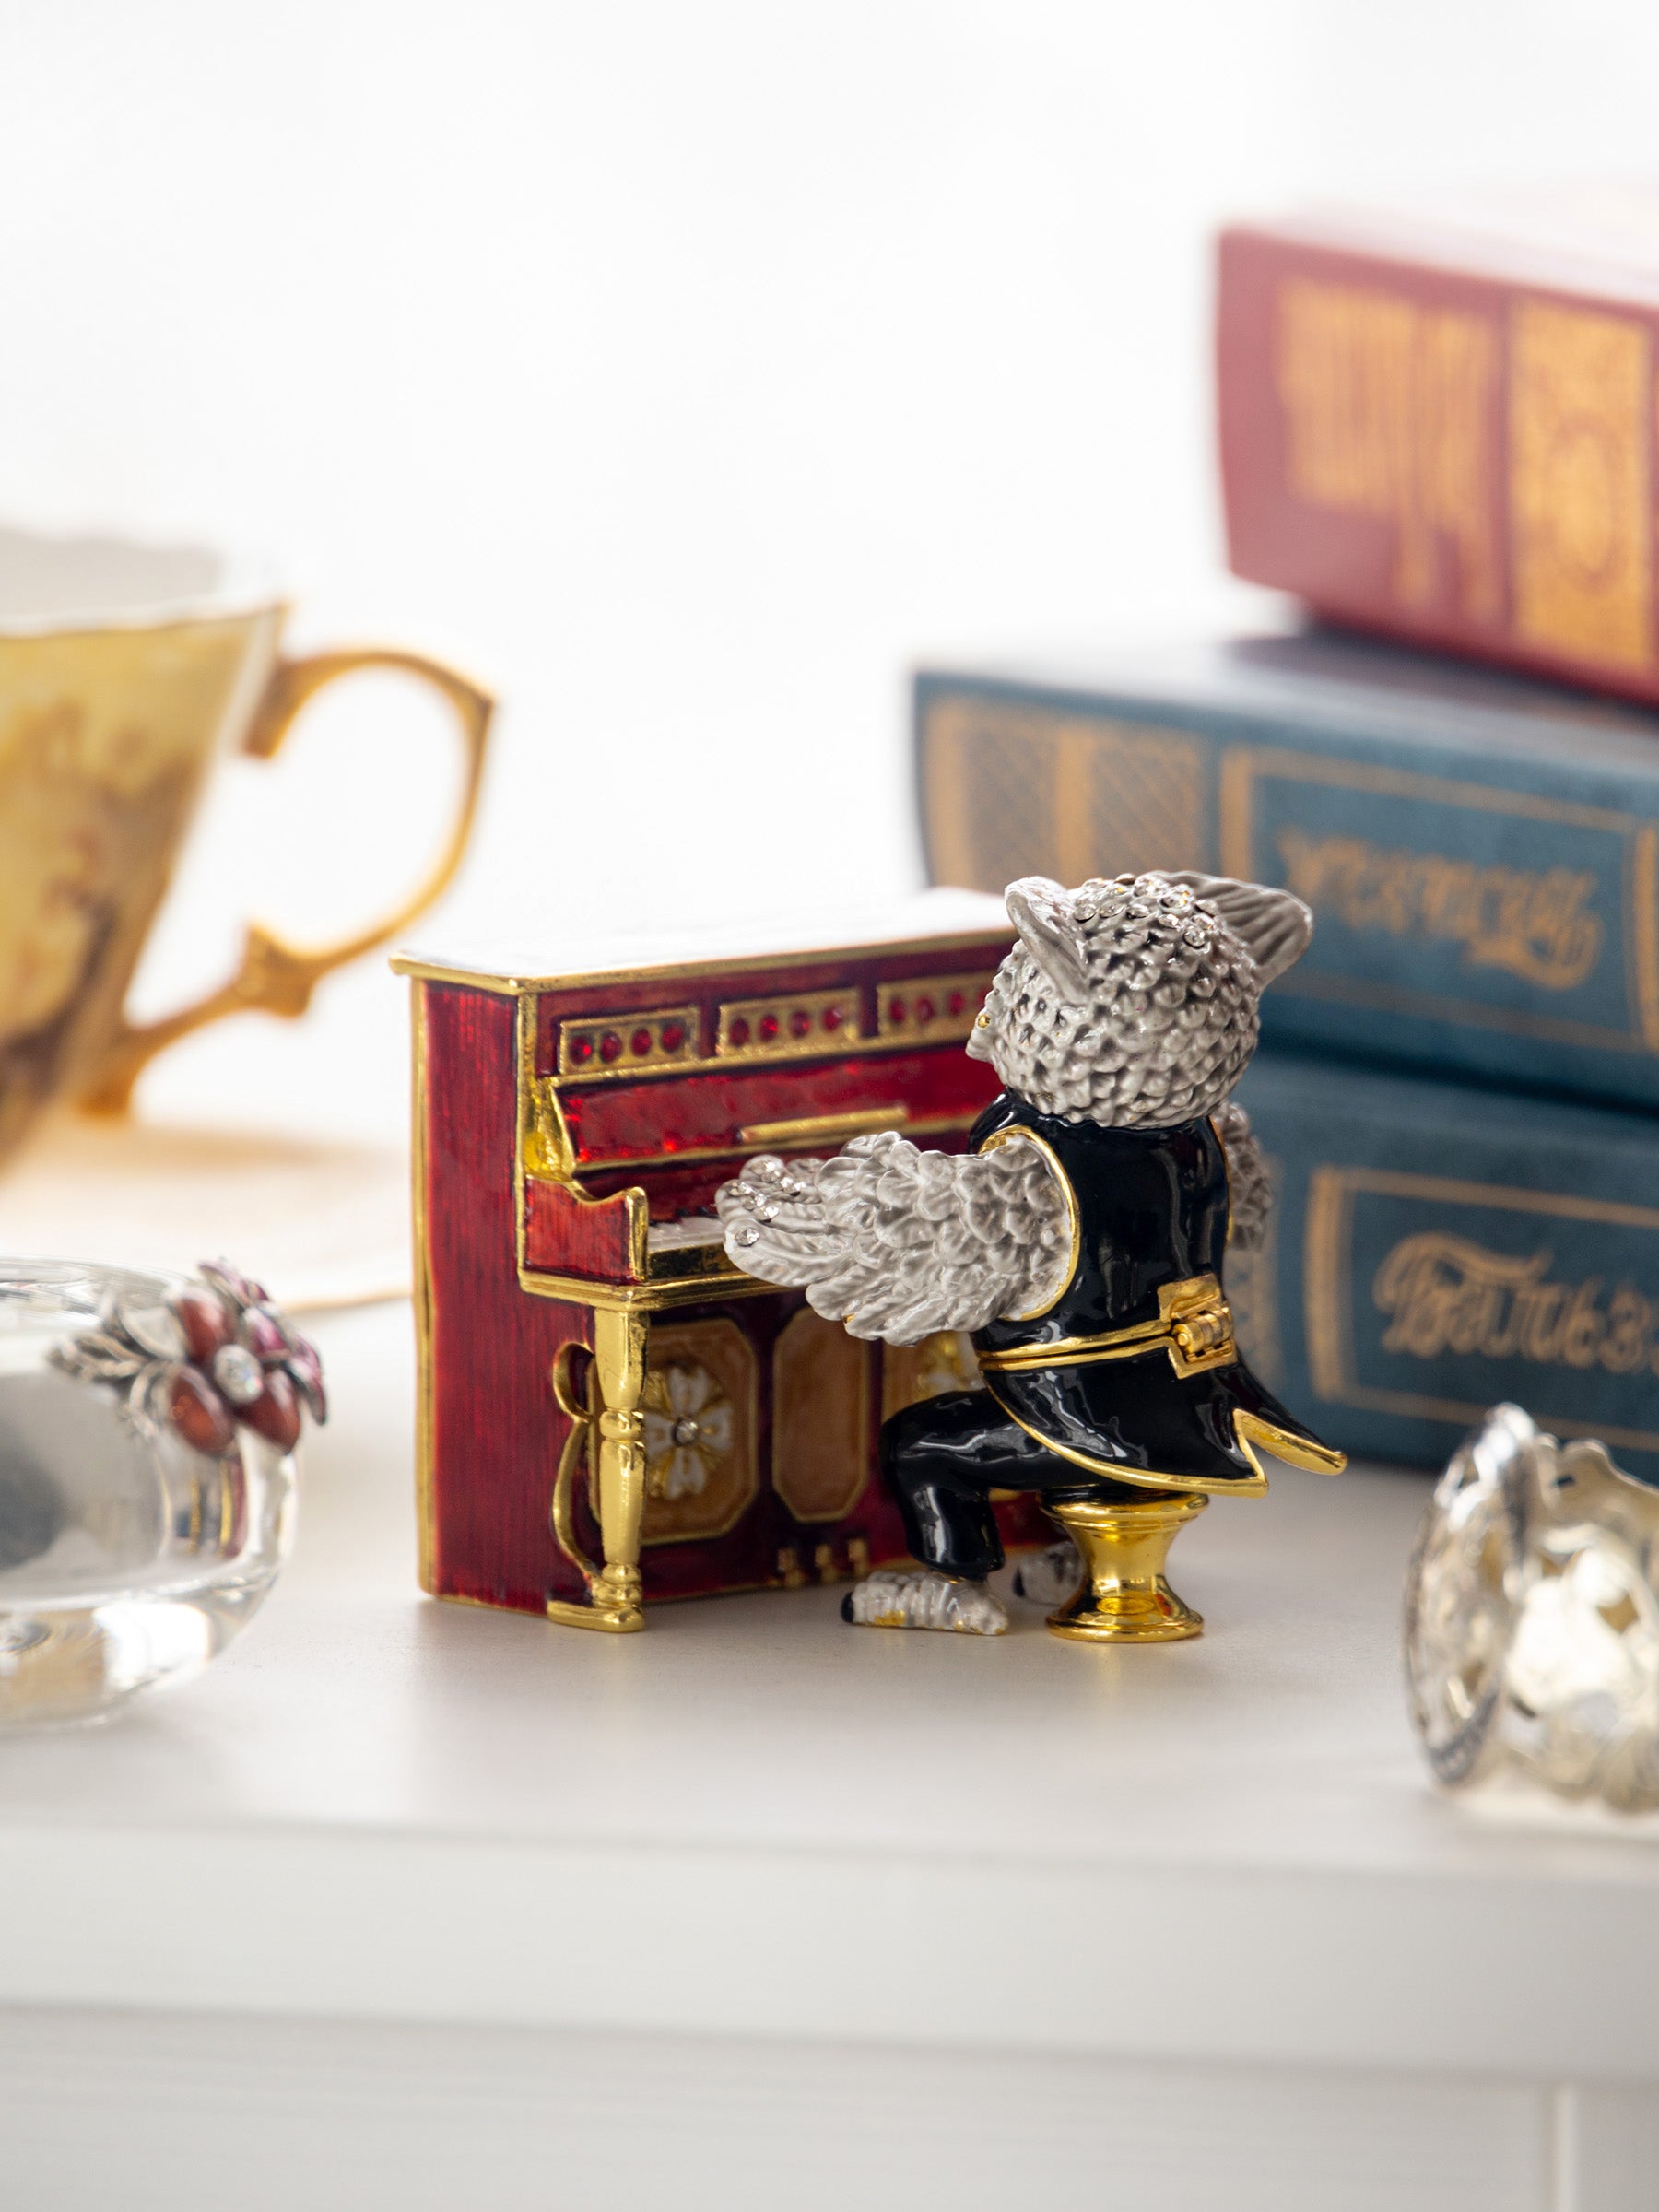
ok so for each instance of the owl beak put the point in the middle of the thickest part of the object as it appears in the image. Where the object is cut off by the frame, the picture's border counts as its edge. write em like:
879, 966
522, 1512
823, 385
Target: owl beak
978, 1046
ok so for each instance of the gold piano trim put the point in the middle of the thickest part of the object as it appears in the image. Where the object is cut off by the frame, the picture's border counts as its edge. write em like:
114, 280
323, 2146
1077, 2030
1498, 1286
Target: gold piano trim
801, 1025
424, 1514
671, 1263
670, 1034
506, 985
675, 1265
606, 1433
798, 1020
800, 1133
916, 1009
827, 1128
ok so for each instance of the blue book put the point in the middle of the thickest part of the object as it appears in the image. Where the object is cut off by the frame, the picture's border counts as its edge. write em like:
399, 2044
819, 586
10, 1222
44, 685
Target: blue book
1435, 1248
1482, 853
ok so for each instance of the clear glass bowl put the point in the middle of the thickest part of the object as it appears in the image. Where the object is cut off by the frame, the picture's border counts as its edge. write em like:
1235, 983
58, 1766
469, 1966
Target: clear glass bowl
129, 1555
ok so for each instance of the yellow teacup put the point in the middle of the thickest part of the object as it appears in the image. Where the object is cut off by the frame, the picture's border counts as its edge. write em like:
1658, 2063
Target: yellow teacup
124, 670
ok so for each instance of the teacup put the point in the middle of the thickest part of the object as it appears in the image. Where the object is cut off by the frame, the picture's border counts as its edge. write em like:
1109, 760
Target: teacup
124, 671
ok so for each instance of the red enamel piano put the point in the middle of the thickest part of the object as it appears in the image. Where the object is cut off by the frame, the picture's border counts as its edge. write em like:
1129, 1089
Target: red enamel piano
610, 1412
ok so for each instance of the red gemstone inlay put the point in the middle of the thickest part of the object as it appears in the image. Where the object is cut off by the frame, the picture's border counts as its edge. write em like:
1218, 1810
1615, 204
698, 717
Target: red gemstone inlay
582, 1049
896, 1010
673, 1036
275, 1414
610, 1047
831, 1018
800, 1022
262, 1333
924, 1009
639, 1044
956, 1003
198, 1413
202, 1318
768, 1027
739, 1032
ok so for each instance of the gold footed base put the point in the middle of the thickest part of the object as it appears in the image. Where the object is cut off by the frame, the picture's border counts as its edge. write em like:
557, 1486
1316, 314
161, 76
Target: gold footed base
618, 1620
613, 1606
1125, 1598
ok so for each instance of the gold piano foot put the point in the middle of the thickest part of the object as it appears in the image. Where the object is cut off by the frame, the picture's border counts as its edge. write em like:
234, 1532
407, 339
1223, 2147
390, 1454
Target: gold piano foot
614, 1603
1125, 1598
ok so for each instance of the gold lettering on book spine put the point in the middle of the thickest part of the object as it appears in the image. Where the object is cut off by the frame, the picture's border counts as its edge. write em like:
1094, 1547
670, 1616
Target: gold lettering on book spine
1247, 771
1581, 498
1446, 1293
1389, 410
1531, 923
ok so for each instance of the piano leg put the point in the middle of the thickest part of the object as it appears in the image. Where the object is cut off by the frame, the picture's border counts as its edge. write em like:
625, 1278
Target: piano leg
619, 1375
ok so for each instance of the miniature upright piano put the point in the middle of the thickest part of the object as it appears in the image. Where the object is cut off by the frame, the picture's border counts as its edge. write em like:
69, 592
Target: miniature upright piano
610, 1412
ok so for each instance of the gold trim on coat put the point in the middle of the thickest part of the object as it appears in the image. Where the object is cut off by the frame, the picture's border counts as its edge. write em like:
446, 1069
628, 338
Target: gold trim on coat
1248, 1486
1073, 1220
1194, 1324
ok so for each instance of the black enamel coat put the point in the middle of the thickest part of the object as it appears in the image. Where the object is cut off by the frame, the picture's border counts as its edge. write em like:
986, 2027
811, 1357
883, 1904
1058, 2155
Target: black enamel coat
1151, 1210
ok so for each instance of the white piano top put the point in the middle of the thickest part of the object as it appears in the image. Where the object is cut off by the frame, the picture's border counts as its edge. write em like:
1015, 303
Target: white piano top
941, 917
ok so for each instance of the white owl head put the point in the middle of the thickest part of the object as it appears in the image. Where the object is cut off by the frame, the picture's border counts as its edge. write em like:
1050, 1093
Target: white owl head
1132, 1002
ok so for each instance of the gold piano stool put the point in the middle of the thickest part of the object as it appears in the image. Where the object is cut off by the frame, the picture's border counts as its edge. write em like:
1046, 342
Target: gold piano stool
1125, 1597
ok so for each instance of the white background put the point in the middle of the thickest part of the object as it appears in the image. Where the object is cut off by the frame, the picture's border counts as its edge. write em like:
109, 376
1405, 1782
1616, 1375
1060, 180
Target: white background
685, 370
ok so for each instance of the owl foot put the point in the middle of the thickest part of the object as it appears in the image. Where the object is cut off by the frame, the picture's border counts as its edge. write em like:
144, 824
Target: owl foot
921, 1597
1051, 1576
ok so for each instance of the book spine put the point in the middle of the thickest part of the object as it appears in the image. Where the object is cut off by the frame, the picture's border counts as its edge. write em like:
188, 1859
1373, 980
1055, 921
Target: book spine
1433, 1253
1490, 914
1442, 456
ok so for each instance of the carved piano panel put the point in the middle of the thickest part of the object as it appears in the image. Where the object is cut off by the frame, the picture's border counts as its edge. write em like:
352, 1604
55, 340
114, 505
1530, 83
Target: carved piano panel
821, 1400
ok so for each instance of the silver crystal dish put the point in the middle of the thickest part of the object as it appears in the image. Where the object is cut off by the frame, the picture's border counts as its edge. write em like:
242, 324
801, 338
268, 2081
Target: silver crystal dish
148, 1431
1531, 1622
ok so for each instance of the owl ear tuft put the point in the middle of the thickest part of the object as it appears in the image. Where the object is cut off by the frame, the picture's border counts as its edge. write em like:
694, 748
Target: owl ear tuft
1274, 924
1040, 911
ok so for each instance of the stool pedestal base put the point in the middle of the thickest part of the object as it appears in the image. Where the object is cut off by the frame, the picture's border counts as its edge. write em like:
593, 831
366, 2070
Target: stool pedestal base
1125, 1597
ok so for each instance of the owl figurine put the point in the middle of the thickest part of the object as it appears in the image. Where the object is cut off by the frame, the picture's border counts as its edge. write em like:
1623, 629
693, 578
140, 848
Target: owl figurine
1080, 1240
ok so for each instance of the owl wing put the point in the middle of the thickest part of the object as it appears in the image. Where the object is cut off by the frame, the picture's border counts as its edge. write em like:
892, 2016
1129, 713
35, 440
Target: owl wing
898, 1243
1250, 1191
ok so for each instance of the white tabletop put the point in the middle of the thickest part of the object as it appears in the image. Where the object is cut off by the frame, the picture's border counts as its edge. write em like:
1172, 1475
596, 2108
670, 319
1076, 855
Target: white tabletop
753, 1820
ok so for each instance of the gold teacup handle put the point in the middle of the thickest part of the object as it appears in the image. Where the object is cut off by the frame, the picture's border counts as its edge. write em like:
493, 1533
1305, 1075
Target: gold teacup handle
276, 978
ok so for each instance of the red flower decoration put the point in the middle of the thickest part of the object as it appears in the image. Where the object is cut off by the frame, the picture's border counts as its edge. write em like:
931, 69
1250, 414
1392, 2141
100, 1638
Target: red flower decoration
214, 1353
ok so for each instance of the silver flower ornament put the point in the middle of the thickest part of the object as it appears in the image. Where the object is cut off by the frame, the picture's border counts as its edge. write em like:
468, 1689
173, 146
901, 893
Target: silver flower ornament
212, 1354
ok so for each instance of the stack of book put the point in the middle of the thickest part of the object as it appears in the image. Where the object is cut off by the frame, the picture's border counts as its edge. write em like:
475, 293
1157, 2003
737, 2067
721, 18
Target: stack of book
1448, 435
